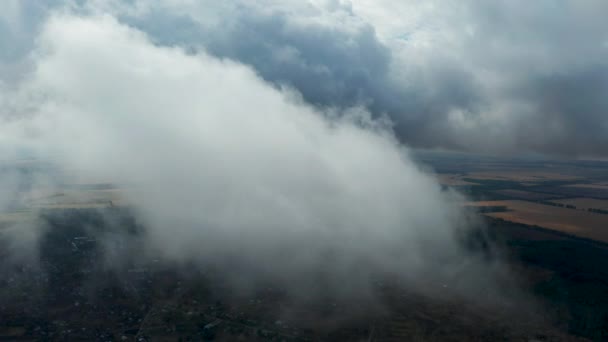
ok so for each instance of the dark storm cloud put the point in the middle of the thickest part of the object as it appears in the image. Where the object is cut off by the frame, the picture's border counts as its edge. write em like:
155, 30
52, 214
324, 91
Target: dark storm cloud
572, 112
494, 76
549, 64
328, 65
339, 65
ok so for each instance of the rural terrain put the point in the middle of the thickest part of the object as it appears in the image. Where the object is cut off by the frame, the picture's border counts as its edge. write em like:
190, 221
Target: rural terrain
566, 196
546, 219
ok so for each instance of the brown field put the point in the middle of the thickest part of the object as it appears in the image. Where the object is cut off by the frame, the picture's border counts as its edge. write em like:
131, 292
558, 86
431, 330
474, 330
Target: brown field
526, 195
571, 221
585, 203
600, 186
453, 180
521, 175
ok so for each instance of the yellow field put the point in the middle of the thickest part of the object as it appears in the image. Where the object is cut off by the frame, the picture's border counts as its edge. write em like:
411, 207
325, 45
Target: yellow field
525, 177
452, 180
527, 195
521, 175
576, 222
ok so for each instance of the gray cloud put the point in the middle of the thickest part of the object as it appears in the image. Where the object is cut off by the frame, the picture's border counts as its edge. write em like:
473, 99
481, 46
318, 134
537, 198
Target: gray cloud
459, 75
331, 64
228, 171
570, 112
492, 77
239, 120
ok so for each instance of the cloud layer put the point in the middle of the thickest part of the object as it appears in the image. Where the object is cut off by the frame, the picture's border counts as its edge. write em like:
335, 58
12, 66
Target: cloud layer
225, 170
499, 77
253, 136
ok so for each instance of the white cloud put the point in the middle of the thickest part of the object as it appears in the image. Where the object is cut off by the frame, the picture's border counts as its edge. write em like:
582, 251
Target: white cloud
231, 170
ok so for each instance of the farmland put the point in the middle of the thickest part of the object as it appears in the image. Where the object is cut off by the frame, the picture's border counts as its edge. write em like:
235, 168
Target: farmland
566, 196
600, 186
572, 221
526, 195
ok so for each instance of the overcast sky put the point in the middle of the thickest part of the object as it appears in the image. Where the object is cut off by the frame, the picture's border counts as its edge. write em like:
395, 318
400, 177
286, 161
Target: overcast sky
497, 77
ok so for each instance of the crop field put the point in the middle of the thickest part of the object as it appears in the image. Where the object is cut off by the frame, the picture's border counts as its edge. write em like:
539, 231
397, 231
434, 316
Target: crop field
525, 195
518, 175
453, 180
523, 177
571, 221
600, 186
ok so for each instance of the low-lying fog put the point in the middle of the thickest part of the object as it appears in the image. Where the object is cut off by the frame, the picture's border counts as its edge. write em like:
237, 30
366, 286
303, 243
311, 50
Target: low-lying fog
227, 171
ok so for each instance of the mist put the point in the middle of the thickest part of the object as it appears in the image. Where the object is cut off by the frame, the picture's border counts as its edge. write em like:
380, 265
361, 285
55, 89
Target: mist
227, 171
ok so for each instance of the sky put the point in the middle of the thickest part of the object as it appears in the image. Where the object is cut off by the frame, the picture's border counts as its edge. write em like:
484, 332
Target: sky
500, 77
274, 137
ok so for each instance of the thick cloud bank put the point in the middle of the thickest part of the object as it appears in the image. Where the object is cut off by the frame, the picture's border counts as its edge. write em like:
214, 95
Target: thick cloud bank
503, 76
225, 170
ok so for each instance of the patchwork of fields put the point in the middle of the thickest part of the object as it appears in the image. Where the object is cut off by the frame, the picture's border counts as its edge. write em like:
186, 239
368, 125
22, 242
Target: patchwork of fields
569, 197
